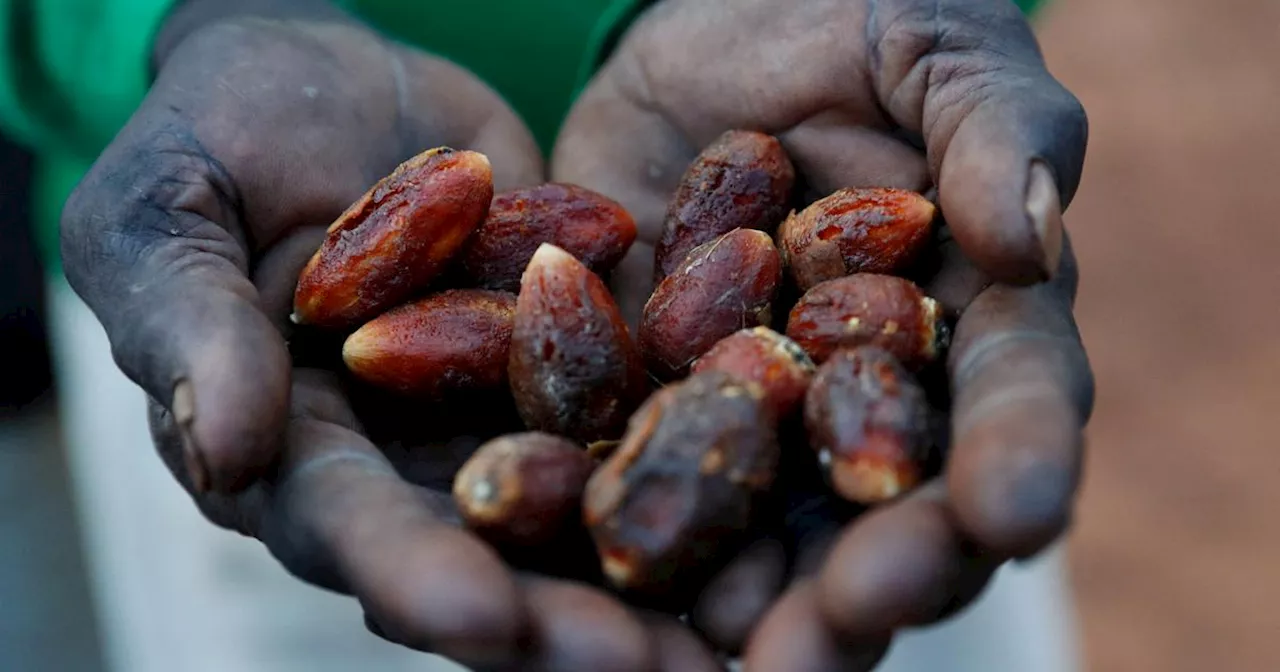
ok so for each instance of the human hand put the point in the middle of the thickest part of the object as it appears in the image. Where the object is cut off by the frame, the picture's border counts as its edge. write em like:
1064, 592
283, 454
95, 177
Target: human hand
899, 93
186, 239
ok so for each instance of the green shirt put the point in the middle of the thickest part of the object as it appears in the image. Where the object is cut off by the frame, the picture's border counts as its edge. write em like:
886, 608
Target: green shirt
73, 71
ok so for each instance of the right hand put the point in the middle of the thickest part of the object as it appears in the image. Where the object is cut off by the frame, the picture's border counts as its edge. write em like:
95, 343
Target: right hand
186, 239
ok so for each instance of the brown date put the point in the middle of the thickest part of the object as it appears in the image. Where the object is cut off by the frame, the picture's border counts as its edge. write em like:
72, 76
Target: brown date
855, 231
764, 357
684, 483
396, 239
574, 370
742, 180
596, 230
523, 489
869, 422
723, 286
452, 341
869, 309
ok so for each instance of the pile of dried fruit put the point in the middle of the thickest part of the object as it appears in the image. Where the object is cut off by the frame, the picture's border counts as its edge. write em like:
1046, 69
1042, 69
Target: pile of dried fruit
665, 446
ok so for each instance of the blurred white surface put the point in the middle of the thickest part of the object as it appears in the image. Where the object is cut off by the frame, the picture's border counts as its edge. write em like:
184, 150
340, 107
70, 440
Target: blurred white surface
1024, 622
175, 593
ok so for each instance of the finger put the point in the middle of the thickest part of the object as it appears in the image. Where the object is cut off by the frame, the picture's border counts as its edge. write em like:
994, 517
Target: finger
151, 242
1005, 139
953, 280
678, 650
1022, 393
835, 151
734, 601
795, 637
341, 517
577, 627
902, 566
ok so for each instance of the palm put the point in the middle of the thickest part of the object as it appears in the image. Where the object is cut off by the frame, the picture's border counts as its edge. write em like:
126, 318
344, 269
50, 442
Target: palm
186, 239
947, 97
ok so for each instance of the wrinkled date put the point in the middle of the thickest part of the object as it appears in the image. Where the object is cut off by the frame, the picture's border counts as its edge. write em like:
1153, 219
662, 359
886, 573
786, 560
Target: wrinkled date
869, 422
457, 340
523, 489
396, 239
742, 180
574, 369
764, 357
723, 286
595, 229
855, 231
869, 309
684, 483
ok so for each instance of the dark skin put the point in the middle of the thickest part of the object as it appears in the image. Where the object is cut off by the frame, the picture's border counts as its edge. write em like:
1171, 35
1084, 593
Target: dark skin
266, 119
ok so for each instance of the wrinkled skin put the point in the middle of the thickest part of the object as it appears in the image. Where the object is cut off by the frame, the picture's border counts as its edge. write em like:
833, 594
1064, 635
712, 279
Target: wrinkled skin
187, 236
913, 94
186, 239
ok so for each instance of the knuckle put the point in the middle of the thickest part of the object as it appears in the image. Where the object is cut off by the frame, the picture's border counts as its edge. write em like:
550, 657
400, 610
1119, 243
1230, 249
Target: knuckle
146, 213
143, 194
921, 35
1025, 353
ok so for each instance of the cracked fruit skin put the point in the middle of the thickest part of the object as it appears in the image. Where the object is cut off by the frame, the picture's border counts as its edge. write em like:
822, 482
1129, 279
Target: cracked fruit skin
870, 309
457, 340
855, 231
523, 489
723, 286
741, 180
868, 420
684, 484
596, 230
764, 357
574, 369
396, 239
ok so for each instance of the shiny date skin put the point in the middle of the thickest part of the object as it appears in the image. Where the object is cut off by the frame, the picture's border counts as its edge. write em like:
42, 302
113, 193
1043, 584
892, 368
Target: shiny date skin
742, 180
454, 341
870, 309
869, 422
596, 230
725, 285
684, 484
523, 489
574, 369
856, 231
763, 356
395, 240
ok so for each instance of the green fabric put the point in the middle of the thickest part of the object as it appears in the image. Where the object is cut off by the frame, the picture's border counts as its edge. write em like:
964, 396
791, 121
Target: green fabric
531, 52
72, 71
1029, 7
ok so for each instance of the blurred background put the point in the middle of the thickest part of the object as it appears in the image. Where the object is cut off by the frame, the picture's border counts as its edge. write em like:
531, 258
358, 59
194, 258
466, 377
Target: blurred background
1175, 555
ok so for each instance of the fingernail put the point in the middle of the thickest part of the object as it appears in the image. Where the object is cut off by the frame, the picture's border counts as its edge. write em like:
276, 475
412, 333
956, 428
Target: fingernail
1044, 211
184, 415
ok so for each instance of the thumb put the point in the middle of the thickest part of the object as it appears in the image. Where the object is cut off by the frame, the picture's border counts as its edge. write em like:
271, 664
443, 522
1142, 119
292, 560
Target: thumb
150, 241
1005, 141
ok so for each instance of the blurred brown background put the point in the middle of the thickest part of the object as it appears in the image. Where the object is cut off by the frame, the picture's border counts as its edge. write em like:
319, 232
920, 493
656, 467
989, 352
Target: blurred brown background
1176, 552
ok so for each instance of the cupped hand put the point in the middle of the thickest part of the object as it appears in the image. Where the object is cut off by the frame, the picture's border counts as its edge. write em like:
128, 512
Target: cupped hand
186, 239
949, 97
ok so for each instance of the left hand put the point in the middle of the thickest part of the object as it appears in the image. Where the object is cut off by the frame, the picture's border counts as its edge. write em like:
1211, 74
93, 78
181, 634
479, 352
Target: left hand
899, 93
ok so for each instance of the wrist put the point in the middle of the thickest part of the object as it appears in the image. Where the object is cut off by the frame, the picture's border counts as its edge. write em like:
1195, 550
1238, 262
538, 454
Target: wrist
189, 16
